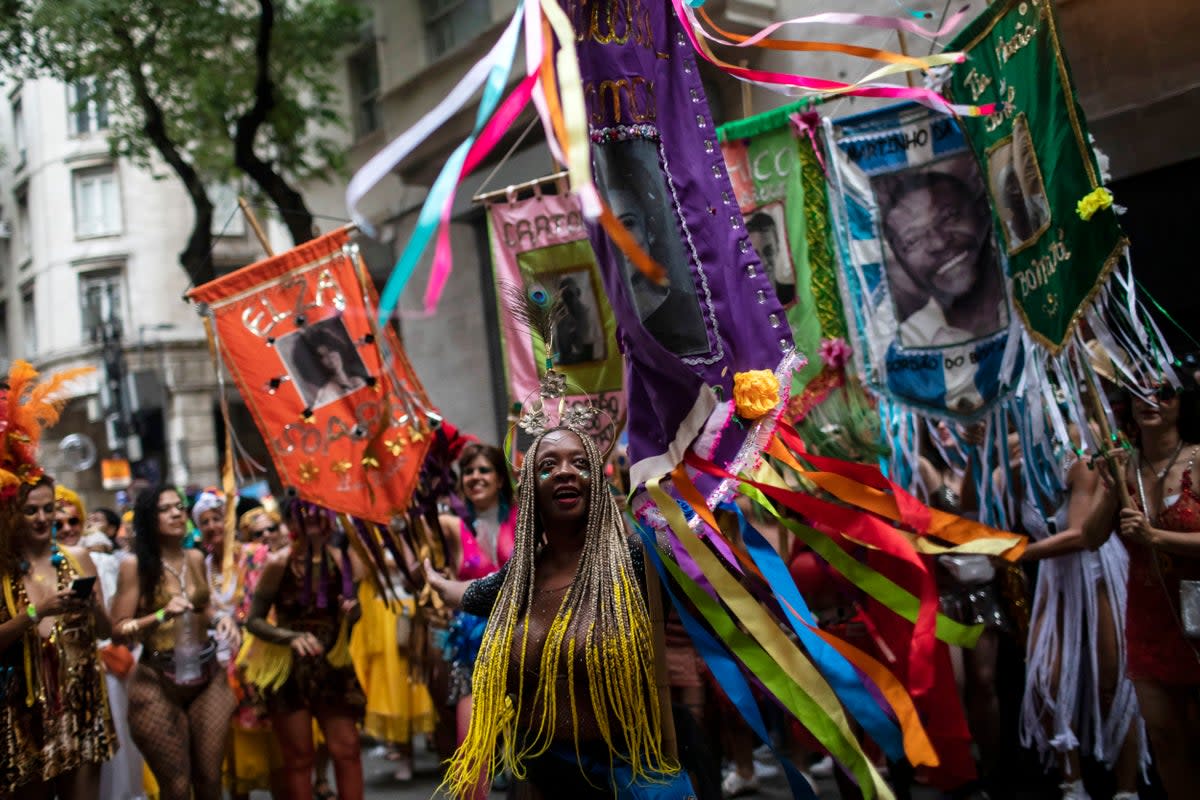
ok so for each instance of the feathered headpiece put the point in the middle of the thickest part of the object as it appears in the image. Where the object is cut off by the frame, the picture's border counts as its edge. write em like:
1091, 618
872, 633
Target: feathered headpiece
27, 407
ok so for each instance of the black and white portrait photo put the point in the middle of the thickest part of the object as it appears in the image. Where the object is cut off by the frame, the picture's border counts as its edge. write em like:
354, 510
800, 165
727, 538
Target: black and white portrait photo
1017, 190
322, 362
628, 174
578, 335
943, 270
768, 234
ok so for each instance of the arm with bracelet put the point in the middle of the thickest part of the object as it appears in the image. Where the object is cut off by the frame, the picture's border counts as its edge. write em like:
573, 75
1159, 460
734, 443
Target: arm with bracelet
13, 630
127, 625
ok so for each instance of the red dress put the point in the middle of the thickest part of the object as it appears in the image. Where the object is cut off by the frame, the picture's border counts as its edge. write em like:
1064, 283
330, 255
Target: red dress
1156, 647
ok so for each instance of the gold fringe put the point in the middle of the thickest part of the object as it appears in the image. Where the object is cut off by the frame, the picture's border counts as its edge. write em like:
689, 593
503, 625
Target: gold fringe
339, 654
265, 665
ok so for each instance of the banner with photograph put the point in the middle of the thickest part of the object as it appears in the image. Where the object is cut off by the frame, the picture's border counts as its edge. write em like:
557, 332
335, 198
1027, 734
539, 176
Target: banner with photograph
541, 244
923, 273
780, 186
340, 408
1039, 164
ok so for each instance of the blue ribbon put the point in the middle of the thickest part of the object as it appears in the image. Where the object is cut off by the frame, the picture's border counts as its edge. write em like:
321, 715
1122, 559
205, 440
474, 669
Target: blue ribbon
726, 672
842, 677
431, 212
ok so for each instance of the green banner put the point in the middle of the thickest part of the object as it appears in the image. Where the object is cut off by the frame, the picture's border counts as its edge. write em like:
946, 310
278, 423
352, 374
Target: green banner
780, 187
1034, 152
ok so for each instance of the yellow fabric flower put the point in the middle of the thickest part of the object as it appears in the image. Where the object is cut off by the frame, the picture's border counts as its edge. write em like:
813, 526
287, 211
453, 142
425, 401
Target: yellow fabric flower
755, 393
341, 467
1092, 202
308, 472
370, 462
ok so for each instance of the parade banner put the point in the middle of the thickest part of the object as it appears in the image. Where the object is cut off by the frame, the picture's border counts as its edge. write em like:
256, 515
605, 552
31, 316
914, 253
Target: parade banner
923, 276
776, 170
1058, 228
340, 408
765, 172
540, 244
658, 165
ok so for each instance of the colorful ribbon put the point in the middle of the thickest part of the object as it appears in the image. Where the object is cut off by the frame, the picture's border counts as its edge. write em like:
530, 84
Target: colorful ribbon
724, 669
863, 88
824, 714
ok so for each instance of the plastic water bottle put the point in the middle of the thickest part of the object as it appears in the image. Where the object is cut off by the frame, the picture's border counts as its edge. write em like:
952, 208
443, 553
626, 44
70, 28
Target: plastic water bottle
187, 649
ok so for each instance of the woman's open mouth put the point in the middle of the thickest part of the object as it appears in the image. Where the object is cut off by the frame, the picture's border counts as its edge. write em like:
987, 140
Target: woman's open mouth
568, 497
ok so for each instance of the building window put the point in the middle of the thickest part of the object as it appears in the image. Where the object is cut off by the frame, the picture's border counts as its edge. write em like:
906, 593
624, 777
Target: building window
364, 88
97, 203
87, 107
28, 323
101, 300
227, 215
450, 23
19, 146
5, 353
24, 248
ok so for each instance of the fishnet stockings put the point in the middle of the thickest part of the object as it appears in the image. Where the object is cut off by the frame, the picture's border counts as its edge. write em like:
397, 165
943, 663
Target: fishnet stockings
181, 733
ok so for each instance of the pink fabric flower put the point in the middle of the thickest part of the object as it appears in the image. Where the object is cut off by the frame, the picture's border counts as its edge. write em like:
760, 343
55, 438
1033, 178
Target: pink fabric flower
835, 353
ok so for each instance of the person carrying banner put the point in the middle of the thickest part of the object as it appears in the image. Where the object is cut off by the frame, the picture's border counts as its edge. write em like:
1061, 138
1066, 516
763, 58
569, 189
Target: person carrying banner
1076, 697
1159, 528
300, 657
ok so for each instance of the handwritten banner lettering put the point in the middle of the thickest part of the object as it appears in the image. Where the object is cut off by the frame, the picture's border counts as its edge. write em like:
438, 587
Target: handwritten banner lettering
337, 402
1038, 163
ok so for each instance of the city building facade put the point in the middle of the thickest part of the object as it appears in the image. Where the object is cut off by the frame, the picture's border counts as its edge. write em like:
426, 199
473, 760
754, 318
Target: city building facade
90, 277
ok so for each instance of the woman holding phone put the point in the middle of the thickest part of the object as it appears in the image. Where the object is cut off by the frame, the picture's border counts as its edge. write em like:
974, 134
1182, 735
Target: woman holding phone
54, 717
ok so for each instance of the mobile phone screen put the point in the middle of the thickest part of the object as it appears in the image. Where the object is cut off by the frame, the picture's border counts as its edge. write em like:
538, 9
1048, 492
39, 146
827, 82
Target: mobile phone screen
82, 587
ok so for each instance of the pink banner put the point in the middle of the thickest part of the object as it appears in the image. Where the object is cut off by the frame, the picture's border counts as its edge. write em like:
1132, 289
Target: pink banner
540, 243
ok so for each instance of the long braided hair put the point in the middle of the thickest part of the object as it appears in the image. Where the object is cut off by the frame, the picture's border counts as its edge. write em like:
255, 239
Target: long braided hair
603, 613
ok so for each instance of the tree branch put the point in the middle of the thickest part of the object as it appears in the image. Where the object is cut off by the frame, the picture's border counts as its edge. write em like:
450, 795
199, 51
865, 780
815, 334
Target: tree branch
288, 202
196, 257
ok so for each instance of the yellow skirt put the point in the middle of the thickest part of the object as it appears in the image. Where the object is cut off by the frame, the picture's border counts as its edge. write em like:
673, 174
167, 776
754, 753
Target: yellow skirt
398, 707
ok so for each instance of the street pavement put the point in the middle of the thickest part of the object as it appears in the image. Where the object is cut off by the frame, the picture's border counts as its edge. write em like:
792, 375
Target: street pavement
381, 785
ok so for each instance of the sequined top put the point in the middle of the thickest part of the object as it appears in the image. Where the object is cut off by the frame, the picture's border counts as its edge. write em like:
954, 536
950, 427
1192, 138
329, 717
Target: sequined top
54, 713
1157, 648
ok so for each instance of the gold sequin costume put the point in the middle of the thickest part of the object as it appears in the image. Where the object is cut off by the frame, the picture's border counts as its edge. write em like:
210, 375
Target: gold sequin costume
54, 716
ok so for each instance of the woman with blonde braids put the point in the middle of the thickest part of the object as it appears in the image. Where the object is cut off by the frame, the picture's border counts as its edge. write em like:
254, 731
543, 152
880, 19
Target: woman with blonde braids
564, 689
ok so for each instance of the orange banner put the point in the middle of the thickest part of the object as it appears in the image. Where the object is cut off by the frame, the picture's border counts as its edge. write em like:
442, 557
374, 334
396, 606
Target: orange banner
335, 398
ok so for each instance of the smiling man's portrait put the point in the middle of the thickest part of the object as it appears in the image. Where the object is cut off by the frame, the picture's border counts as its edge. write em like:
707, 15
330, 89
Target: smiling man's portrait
943, 271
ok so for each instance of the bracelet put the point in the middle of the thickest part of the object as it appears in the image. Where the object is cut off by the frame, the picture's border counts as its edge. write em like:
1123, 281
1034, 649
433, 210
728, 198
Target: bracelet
31, 610
161, 615
130, 627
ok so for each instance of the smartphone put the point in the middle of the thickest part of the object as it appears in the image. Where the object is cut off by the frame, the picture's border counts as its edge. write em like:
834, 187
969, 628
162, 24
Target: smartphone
82, 587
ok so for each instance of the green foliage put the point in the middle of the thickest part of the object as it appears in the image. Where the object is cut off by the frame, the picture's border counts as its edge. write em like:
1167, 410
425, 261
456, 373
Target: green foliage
197, 61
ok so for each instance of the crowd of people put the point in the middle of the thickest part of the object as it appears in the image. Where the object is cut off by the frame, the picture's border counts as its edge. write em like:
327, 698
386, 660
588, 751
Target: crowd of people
135, 663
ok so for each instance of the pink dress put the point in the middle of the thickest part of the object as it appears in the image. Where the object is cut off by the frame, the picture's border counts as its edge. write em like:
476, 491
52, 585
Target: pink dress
475, 562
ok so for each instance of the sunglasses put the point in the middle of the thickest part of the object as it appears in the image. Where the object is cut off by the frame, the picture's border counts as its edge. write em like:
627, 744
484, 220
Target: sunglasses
72, 521
266, 530
167, 508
